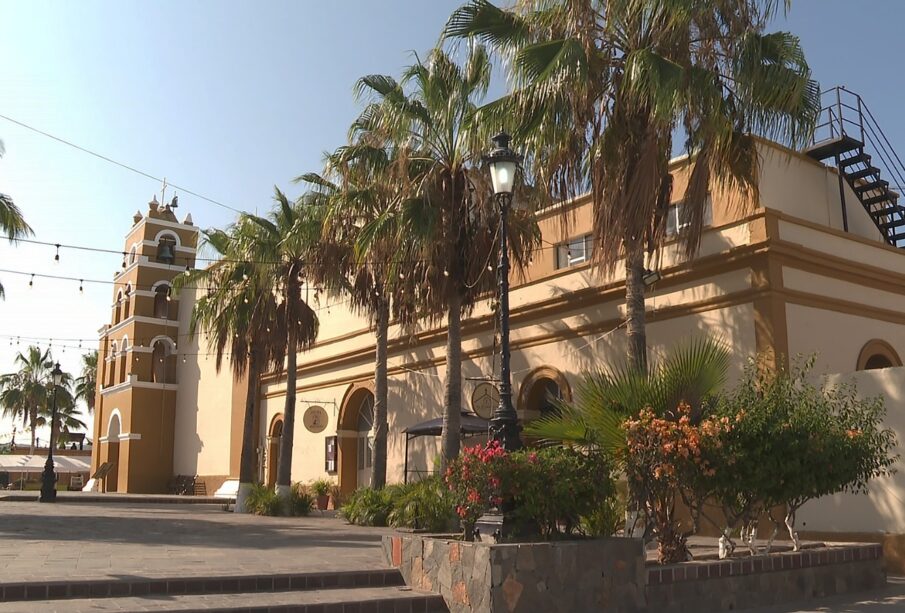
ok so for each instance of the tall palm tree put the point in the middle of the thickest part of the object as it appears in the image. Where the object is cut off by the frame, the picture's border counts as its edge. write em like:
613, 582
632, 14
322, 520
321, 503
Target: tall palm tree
601, 88
26, 392
361, 189
449, 217
285, 245
86, 383
241, 321
11, 221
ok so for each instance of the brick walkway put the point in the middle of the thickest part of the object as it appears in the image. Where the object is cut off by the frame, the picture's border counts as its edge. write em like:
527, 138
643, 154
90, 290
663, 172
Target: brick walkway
88, 541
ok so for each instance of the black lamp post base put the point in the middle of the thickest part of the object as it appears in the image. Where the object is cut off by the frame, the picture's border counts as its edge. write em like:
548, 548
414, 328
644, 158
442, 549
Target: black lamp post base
48, 484
498, 526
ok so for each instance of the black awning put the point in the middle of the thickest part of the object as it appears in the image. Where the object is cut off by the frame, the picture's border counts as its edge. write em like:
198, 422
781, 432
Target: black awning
470, 424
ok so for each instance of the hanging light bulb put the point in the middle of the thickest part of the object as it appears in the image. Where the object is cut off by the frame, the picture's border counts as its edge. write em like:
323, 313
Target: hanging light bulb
31, 282
183, 359
401, 276
124, 260
246, 300
445, 273
489, 268
56, 258
244, 277
81, 286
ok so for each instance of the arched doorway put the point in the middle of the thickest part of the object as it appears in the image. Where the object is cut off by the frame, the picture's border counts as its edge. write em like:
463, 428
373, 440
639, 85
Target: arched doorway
274, 436
114, 429
355, 438
540, 391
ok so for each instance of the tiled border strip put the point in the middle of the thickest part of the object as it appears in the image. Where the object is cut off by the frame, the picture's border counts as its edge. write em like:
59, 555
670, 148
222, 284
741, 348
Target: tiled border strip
113, 588
787, 560
428, 603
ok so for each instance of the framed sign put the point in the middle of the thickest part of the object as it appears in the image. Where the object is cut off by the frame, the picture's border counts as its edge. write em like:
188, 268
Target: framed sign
315, 419
485, 399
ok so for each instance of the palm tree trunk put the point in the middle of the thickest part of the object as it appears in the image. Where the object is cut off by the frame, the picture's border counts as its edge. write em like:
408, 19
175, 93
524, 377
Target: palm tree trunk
247, 459
634, 305
284, 471
379, 474
32, 418
452, 415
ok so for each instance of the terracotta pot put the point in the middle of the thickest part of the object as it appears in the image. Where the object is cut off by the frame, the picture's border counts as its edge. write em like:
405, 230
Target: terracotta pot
322, 502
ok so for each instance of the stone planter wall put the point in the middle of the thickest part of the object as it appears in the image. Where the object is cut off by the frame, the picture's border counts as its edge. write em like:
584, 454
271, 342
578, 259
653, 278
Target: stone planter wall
764, 580
611, 575
583, 575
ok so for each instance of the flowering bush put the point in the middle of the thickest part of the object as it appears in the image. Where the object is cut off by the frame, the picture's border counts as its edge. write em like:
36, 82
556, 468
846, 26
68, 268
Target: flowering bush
548, 490
662, 458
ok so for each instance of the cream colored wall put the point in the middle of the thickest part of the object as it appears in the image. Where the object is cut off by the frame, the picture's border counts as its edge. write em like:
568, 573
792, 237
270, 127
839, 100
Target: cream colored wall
838, 337
417, 396
806, 189
203, 403
883, 508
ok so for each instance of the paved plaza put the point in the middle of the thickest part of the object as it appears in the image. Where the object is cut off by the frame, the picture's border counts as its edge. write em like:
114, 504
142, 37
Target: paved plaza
84, 541
92, 541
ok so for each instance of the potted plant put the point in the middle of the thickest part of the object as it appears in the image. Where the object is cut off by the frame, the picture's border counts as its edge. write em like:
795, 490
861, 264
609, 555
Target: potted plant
321, 489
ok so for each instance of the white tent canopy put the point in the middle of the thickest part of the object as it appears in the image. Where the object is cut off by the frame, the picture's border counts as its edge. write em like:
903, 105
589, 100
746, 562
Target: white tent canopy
35, 464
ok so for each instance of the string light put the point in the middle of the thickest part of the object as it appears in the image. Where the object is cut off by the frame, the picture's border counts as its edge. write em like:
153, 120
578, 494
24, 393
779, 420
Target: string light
124, 260
81, 286
56, 258
31, 282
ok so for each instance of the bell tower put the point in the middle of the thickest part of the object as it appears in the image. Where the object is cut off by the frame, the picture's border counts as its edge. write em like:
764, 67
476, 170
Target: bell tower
137, 357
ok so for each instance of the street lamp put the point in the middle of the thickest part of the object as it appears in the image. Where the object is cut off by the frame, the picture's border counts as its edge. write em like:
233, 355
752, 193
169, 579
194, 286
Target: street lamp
503, 161
49, 478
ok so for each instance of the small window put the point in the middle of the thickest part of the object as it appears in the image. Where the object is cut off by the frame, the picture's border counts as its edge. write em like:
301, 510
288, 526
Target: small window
674, 223
576, 251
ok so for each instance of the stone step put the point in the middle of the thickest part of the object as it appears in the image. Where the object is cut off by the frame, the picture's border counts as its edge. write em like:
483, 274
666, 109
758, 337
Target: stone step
210, 585
354, 600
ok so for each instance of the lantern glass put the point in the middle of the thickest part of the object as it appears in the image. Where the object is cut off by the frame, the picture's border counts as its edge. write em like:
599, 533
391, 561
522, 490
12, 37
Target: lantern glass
502, 172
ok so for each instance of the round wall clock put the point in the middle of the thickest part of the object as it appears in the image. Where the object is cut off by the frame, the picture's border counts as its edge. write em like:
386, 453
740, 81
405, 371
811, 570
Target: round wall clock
315, 419
485, 399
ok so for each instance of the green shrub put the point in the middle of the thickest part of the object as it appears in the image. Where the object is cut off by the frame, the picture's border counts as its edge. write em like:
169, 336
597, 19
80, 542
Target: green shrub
422, 505
301, 501
368, 507
321, 487
607, 519
791, 441
263, 501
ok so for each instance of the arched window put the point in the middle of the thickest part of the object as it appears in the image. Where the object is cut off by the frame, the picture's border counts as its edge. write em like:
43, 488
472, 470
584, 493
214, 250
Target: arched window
133, 254
127, 302
118, 308
162, 301
163, 361
539, 392
111, 365
166, 249
877, 353
123, 356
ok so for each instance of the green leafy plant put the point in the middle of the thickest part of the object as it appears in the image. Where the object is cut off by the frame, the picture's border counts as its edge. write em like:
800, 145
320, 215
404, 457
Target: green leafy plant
422, 505
321, 487
550, 490
793, 441
301, 501
263, 501
369, 507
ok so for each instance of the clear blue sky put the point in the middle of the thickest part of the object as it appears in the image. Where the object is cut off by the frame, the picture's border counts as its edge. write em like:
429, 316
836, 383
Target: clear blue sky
229, 98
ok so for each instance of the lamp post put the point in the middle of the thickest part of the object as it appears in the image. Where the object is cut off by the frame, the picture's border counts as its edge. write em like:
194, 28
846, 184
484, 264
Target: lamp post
502, 161
49, 478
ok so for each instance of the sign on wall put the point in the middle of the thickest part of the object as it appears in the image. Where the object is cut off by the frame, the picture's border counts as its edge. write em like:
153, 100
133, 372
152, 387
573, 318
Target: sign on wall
315, 419
485, 399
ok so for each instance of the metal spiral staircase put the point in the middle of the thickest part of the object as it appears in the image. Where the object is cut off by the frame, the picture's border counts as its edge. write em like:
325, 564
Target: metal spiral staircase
848, 133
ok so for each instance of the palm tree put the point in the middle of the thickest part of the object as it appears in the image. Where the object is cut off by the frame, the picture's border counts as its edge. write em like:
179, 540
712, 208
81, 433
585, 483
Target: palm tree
26, 392
86, 383
11, 221
692, 372
286, 247
448, 217
600, 90
361, 190
241, 321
